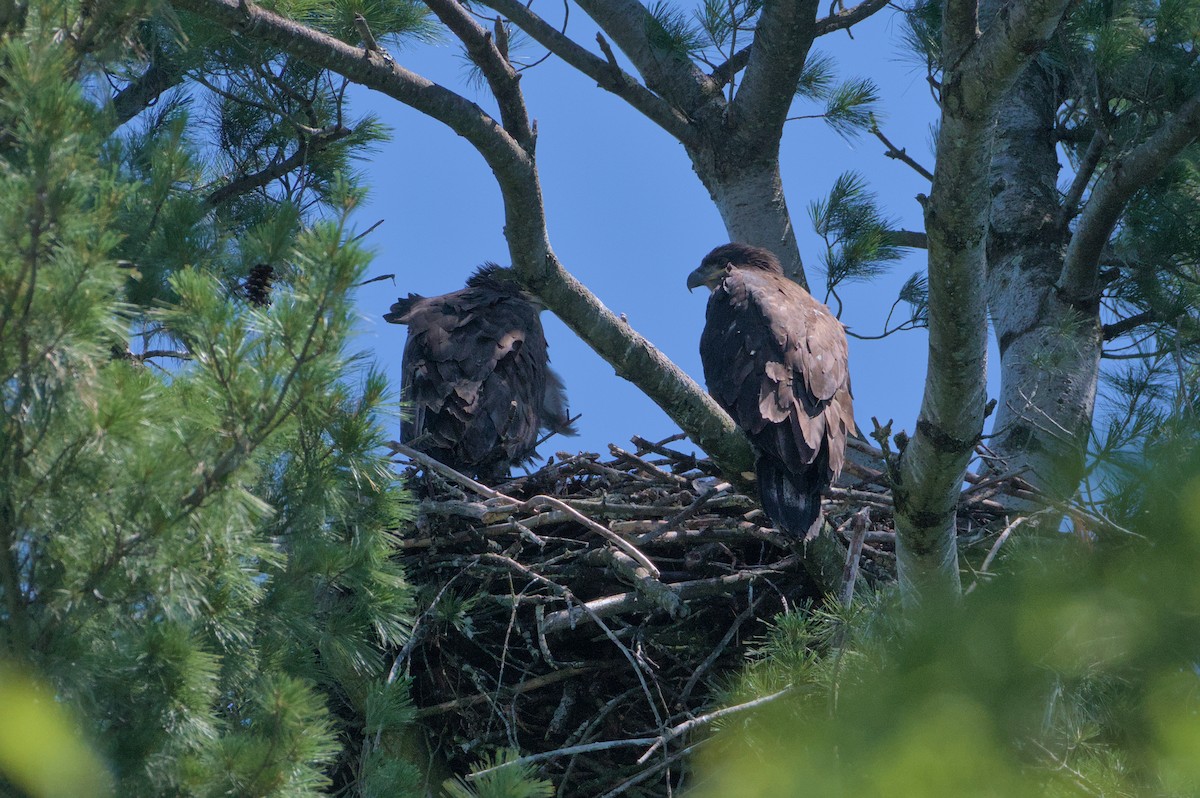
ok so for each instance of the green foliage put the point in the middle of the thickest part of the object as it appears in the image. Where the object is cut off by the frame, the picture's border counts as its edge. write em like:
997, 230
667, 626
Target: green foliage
388, 21
674, 30
851, 107
922, 34
40, 749
722, 21
196, 556
505, 780
279, 738
1071, 674
858, 245
915, 292
817, 78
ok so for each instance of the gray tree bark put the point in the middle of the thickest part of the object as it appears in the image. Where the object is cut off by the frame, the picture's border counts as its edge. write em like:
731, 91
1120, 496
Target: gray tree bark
1049, 349
1044, 280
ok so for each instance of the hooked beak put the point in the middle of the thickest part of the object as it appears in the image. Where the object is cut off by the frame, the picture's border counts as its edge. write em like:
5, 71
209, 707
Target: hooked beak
707, 274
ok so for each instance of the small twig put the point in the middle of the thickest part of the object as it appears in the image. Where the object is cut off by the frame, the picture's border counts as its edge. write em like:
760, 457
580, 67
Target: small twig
571, 750
700, 720
172, 353
363, 235
378, 279
599, 529
654, 770
608, 632
854, 554
570, 423
536, 683
703, 667
462, 479
648, 467
624, 602
900, 154
608, 53
364, 30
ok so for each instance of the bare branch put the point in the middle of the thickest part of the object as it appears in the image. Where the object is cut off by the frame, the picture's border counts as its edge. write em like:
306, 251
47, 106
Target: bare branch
914, 239
724, 73
162, 75
607, 74
501, 77
1128, 324
849, 17
674, 77
1079, 282
900, 154
364, 31
1083, 175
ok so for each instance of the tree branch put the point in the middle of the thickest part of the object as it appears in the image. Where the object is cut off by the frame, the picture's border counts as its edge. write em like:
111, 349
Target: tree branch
900, 154
1128, 324
162, 75
671, 75
501, 77
991, 61
608, 76
372, 70
849, 17
1083, 175
782, 39
724, 73
1079, 282
914, 239
309, 146
934, 462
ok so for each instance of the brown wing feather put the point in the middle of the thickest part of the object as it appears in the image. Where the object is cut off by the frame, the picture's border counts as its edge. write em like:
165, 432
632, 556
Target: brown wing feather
776, 360
476, 376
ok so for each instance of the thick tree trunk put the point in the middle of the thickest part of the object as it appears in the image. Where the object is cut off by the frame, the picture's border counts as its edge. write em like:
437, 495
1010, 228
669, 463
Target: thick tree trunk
1049, 350
984, 68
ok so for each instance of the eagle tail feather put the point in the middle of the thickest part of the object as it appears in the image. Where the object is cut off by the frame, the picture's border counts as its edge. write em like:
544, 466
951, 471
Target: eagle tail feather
791, 499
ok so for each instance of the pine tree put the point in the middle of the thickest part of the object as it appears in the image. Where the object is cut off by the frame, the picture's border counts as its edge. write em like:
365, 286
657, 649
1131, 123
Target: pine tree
195, 554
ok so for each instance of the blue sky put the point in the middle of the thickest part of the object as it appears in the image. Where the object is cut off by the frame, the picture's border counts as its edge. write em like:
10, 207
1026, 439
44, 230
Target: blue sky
629, 218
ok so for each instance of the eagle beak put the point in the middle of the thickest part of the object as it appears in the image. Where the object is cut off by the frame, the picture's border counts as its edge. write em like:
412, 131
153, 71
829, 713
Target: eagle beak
705, 275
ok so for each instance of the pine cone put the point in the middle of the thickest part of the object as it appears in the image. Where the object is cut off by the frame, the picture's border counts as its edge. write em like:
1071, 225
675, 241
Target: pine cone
258, 285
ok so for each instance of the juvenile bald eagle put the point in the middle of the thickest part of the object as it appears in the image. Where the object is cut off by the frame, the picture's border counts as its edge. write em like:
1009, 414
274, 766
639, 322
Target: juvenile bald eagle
775, 359
476, 375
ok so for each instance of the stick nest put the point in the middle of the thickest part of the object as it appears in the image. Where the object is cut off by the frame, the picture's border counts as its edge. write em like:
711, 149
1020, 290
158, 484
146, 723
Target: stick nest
581, 614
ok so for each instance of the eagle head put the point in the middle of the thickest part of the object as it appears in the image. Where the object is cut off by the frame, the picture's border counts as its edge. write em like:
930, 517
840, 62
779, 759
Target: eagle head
717, 264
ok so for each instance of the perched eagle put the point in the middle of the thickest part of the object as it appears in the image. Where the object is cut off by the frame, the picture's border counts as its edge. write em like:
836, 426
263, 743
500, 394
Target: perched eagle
775, 359
477, 376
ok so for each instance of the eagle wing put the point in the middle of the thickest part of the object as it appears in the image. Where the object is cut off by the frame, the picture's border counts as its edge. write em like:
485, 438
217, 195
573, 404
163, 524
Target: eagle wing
776, 360
475, 375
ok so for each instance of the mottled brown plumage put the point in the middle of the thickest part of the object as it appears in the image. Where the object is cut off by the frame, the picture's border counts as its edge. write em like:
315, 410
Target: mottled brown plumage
476, 375
776, 360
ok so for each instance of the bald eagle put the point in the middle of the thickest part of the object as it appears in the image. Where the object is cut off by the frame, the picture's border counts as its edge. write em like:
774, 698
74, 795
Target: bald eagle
776, 360
476, 375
